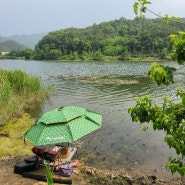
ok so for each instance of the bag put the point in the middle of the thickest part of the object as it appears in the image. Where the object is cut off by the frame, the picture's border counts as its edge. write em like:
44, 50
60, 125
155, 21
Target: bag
38, 151
33, 159
49, 156
74, 163
66, 170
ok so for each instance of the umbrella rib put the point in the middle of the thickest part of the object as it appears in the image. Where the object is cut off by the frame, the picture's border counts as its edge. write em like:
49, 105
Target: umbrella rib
64, 121
92, 120
71, 132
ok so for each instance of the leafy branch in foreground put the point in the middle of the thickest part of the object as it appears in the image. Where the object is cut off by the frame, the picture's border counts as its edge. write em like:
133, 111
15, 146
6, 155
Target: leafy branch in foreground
161, 74
178, 52
170, 118
140, 8
164, 74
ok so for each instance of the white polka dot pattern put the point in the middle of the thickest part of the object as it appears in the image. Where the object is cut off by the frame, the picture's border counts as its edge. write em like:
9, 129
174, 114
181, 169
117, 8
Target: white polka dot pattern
67, 124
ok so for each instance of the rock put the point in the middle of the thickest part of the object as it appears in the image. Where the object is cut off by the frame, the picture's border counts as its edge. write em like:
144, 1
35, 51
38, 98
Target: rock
76, 171
126, 177
90, 171
113, 176
153, 178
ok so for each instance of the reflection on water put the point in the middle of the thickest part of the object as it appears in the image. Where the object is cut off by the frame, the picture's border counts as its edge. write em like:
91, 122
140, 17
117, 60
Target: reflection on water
108, 88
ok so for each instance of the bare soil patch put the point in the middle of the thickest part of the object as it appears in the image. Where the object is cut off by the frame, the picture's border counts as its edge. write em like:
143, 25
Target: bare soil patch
84, 175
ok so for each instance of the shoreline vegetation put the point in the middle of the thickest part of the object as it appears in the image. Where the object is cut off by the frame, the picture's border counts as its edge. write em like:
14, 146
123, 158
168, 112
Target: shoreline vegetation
106, 59
19, 91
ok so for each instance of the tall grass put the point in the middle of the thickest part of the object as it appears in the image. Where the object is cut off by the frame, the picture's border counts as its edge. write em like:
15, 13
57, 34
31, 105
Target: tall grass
20, 82
18, 90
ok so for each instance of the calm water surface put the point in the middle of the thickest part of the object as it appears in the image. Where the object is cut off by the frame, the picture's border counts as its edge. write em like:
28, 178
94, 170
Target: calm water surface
108, 88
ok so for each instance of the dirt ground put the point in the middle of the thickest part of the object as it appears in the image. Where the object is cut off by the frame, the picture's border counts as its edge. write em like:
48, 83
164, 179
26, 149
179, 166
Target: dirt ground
84, 175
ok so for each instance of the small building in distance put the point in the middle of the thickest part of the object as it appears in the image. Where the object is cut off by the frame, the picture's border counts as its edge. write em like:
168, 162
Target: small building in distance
3, 53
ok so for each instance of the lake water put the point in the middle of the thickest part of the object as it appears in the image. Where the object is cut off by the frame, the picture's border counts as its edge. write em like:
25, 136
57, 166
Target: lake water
108, 88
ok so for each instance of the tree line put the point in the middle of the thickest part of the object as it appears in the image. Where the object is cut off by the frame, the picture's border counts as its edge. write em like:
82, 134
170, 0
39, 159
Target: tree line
114, 40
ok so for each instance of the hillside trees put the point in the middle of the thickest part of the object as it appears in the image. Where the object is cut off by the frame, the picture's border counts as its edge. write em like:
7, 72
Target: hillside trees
26, 53
138, 37
170, 115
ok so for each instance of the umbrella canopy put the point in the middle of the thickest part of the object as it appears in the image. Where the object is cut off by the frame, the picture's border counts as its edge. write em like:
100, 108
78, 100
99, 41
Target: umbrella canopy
66, 124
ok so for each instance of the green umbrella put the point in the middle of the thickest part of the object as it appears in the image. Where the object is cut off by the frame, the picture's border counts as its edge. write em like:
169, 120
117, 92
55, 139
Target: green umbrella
66, 124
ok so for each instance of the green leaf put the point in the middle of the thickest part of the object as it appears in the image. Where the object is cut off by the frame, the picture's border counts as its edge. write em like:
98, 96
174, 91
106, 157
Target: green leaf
161, 74
182, 32
172, 36
144, 128
135, 8
146, 2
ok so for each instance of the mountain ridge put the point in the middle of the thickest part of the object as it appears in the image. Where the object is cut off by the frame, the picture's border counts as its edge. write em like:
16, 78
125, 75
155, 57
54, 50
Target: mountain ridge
29, 41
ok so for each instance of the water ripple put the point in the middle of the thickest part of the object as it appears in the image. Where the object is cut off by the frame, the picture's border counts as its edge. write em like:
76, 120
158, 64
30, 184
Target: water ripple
108, 88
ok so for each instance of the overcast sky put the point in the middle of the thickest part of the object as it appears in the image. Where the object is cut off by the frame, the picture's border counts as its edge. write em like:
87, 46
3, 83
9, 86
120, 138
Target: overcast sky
38, 16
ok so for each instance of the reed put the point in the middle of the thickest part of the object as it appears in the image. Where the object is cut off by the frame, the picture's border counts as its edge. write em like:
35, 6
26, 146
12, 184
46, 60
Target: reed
49, 175
19, 90
21, 82
5, 92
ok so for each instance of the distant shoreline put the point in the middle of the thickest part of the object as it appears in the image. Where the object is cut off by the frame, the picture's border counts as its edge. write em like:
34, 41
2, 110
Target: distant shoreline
147, 59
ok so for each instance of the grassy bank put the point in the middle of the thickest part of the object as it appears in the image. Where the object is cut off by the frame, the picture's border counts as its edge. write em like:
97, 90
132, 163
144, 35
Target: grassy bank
11, 137
18, 91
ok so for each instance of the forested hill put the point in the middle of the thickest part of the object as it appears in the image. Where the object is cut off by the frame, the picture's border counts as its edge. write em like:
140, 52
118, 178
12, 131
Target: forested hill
9, 45
118, 39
